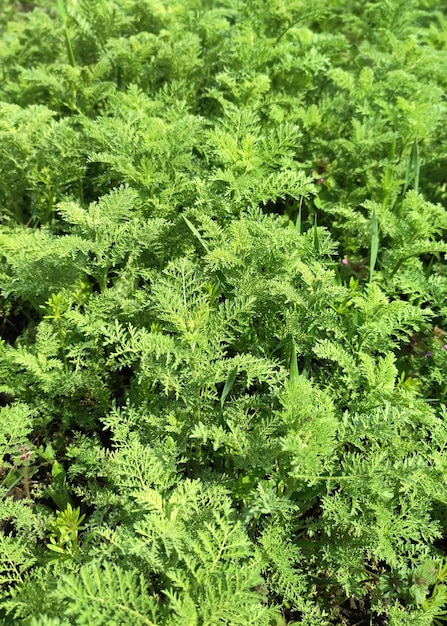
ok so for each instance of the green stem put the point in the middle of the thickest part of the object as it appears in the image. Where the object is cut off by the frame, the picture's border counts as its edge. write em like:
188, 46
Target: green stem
64, 16
26, 482
62, 336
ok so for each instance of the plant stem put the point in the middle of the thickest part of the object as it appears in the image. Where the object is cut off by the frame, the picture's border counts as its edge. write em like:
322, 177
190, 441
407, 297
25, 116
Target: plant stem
64, 16
26, 481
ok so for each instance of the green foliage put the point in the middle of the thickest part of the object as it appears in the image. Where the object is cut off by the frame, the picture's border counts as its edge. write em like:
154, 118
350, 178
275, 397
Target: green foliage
223, 312
65, 531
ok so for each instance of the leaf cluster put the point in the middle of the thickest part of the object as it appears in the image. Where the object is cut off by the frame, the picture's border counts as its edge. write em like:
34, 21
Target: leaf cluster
222, 303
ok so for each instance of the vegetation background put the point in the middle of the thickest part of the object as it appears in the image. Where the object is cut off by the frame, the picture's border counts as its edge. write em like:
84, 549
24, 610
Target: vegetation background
223, 353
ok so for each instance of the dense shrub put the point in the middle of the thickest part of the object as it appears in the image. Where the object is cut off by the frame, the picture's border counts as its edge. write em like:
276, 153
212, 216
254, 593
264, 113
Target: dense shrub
223, 359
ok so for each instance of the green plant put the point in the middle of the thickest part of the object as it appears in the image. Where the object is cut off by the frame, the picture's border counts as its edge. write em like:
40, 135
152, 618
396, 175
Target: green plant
64, 532
222, 303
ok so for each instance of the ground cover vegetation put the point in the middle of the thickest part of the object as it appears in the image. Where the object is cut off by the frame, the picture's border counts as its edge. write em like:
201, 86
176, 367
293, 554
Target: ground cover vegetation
223, 354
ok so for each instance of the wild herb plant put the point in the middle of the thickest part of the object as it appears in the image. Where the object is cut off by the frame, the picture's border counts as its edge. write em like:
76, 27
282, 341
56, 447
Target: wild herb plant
222, 296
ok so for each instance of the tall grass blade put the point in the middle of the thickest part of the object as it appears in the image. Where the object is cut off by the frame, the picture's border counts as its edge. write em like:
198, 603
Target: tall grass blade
194, 230
298, 218
223, 282
228, 386
62, 10
294, 373
416, 165
374, 244
306, 366
316, 238
281, 344
64, 16
413, 168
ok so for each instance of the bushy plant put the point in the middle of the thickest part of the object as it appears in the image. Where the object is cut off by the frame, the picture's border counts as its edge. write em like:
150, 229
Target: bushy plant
222, 296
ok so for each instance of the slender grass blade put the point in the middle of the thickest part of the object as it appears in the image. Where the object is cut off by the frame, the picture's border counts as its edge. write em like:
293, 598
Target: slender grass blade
223, 282
298, 219
228, 385
316, 238
374, 244
413, 168
63, 13
294, 373
416, 165
61, 8
195, 232
282, 343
